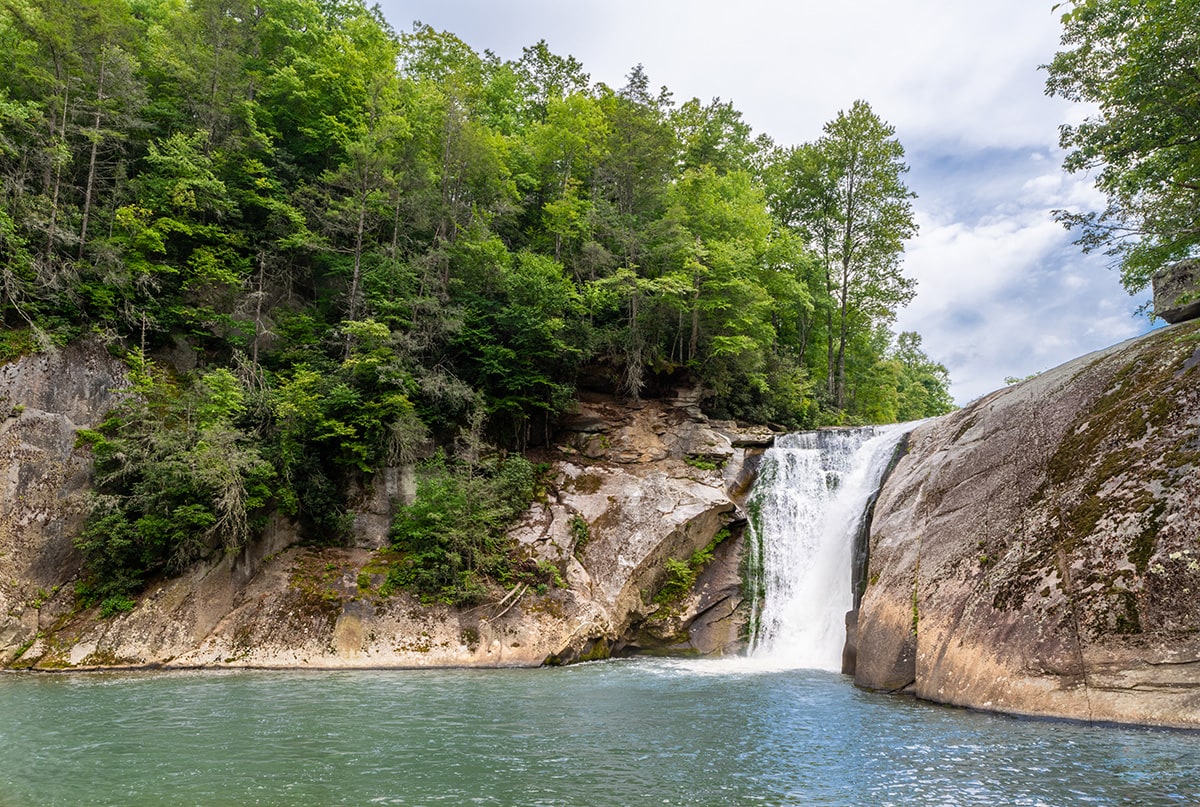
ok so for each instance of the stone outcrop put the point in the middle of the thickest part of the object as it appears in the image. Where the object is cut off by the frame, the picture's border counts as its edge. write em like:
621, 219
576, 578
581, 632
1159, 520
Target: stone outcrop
1038, 552
44, 480
1177, 291
631, 486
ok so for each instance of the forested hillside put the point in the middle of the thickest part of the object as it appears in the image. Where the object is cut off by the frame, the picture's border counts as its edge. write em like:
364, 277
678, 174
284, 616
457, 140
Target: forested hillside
324, 247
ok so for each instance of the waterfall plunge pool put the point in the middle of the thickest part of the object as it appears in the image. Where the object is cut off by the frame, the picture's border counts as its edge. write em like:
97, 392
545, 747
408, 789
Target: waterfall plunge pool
761, 730
631, 733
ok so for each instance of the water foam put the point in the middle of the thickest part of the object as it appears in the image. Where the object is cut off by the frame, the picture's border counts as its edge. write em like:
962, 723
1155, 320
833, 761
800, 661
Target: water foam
807, 506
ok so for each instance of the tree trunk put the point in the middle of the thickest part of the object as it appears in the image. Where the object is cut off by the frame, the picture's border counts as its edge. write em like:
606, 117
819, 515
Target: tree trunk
355, 278
840, 390
694, 341
848, 234
632, 382
62, 136
258, 304
830, 373
91, 177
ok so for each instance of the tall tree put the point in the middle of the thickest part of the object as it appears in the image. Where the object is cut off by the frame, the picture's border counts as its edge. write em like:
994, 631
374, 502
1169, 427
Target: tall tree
713, 134
850, 199
544, 76
1138, 63
77, 63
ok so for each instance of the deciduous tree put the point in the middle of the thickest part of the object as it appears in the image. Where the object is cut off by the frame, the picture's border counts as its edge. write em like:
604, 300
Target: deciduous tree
1138, 63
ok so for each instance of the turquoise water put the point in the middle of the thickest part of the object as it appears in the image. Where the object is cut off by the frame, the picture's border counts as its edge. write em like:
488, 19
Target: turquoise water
618, 733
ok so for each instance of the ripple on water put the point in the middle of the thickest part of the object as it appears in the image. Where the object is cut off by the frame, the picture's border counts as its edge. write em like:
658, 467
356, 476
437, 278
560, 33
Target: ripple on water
628, 732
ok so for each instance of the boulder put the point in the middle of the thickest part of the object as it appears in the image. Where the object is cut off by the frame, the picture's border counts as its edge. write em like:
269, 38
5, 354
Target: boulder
1038, 551
1177, 291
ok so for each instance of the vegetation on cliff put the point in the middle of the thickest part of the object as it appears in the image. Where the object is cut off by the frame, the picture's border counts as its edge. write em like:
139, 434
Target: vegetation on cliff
327, 247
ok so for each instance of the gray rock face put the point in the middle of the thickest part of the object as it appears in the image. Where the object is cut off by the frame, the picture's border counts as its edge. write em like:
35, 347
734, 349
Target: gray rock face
44, 481
1038, 552
1177, 291
651, 482
633, 486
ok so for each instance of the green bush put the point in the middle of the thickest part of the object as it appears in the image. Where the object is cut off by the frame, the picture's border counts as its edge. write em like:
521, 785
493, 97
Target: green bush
454, 535
682, 574
176, 479
580, 531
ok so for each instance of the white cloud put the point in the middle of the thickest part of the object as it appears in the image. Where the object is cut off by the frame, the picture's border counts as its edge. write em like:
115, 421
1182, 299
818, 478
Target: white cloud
967, 71
1002, 291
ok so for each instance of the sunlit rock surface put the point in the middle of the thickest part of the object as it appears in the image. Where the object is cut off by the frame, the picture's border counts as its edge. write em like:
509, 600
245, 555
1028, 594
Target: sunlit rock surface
631, 486
1038, 552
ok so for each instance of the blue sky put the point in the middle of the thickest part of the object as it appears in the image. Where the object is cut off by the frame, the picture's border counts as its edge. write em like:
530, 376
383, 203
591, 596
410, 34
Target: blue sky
1001, 289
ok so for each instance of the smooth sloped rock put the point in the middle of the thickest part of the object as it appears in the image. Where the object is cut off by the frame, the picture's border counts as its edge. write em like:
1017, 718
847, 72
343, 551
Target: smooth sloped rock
1038, 552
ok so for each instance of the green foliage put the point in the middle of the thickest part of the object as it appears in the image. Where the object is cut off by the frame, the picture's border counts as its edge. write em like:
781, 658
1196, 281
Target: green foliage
17, 343
368, 244
580, 531
681, 574
1134, 63
845, 195
1012, 379
453, 536
176, 479
114, 605
703, 463
680, 579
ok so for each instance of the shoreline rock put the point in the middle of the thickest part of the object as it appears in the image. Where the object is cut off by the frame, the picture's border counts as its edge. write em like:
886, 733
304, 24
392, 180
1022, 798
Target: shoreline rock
1038, 552
632, 486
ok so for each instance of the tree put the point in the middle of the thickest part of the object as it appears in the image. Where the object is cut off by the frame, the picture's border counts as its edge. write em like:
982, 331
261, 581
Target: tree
1137, 62
543, 76
76, 64
713, 135
848, 196
924, 384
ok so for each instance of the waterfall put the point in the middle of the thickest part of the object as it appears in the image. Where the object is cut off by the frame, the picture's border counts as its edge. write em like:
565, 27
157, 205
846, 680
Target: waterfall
806, 508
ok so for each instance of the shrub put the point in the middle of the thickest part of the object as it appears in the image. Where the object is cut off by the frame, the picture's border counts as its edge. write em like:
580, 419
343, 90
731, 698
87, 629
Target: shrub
454, 535
176, 479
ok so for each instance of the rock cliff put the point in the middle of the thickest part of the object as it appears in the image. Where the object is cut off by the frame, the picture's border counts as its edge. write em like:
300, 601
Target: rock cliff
1038, 552
44, 480
631, 486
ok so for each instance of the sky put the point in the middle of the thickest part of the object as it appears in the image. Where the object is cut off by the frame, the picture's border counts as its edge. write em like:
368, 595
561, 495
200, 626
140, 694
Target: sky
1001, 290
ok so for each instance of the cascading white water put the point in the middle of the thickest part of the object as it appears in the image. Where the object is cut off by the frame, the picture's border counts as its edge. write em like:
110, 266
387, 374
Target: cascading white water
807, 505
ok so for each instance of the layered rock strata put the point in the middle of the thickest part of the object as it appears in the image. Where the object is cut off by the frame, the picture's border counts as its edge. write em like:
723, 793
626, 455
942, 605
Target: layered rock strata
630, 487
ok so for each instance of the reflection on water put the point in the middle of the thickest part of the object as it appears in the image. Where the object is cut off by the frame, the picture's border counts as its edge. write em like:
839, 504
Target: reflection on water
616, 733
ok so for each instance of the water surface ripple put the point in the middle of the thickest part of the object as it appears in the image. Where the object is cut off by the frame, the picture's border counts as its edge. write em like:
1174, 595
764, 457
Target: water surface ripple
618, 733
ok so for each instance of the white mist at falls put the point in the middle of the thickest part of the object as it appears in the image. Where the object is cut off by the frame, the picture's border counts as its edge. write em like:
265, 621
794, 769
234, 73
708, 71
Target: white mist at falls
807, 506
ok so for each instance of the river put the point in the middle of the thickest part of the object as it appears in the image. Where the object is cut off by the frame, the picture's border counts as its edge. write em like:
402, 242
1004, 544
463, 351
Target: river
763, 730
